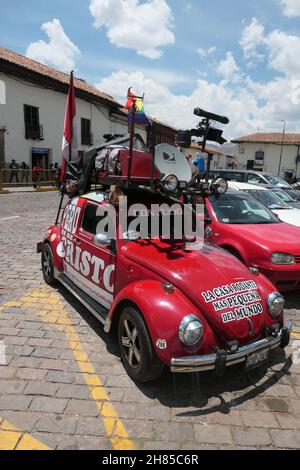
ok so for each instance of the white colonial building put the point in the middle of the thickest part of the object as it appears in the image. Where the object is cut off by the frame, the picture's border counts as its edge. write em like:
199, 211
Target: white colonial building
32, 111
270, 152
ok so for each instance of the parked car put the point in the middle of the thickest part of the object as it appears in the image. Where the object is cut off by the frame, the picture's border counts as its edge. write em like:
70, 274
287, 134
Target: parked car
246, 228
252, 177
285, 197
284, 212
191, 309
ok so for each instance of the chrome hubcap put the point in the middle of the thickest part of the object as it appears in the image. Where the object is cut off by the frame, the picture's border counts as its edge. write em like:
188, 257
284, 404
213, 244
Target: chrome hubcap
131, 345
46, 264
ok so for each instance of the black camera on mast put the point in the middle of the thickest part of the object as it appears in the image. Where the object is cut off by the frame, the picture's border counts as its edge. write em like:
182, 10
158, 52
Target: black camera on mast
204, 129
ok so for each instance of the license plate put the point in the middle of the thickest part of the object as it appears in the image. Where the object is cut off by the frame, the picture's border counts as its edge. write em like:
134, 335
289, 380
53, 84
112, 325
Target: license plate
257, 358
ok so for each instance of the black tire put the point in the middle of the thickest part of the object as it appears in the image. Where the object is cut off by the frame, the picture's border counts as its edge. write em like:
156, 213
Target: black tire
135, 343
48, 265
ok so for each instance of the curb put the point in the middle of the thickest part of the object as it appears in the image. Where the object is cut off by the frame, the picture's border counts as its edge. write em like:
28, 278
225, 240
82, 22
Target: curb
45, 190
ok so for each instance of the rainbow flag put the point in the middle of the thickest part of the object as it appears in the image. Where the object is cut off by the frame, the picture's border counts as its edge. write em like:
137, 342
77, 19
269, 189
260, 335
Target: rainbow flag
140, 115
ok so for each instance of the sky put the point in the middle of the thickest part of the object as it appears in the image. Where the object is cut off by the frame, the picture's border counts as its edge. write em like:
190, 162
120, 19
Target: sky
231, 57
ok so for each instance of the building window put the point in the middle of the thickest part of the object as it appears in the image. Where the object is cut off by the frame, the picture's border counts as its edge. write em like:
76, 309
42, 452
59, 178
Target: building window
86, 136
259, 158
33, 129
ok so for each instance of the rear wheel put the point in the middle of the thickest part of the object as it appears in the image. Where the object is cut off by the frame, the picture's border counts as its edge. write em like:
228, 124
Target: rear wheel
139, 357
48, 265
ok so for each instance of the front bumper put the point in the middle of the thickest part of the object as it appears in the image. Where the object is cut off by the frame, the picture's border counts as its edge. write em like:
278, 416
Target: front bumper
223, 359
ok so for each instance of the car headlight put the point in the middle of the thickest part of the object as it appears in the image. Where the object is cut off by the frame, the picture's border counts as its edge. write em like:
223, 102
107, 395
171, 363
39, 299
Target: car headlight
220, 186
276, 304
171, 183
190, 330
282, 258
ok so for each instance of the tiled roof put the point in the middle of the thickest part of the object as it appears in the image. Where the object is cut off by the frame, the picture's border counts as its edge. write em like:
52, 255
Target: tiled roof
208, 149
48, 72
269, 138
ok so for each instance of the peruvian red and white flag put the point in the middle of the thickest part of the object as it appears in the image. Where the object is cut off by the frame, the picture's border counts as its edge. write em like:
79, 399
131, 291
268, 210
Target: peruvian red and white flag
70, 139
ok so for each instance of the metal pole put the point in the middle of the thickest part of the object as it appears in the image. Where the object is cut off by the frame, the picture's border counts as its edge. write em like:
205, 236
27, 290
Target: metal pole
131, 141
281, 152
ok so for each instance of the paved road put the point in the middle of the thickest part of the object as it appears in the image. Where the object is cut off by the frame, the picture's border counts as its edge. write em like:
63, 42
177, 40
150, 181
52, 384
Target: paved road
64, 386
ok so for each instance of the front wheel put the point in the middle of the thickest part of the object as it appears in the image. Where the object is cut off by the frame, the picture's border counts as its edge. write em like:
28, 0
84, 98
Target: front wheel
138, 355
48, 265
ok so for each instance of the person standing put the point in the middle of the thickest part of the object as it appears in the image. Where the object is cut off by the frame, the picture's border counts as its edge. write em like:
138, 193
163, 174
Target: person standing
25, 172
36, 174
14, 167
57, 175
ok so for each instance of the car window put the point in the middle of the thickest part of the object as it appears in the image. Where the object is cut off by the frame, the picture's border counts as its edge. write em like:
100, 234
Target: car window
268, 198
255, 179
292, 193
283, 196
238, 209
236, 176
276, 181
91, 219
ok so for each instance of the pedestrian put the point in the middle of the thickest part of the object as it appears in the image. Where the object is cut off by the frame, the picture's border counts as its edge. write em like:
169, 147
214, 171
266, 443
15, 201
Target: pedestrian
14, 167
36, 174
25, 172
57, 176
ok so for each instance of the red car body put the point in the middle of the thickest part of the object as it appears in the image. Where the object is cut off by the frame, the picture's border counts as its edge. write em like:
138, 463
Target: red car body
166, 282
254, 244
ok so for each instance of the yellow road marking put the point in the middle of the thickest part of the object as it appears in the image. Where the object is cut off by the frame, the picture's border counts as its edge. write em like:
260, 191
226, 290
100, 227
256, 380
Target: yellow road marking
11, 438
49, 300
295, 335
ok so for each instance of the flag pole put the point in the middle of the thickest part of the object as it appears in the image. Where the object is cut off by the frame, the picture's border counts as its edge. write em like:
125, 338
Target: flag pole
70, 151
71, 114
132, 129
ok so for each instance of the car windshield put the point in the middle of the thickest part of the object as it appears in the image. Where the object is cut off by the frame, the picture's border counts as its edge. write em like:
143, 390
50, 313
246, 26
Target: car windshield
276, 181
268, 198
283, 196
295, 195
241, 210
228, 175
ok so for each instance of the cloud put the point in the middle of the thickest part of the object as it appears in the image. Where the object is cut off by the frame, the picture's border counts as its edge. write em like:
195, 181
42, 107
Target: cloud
280, 48
144, 27
177, 110
291, 8
206, 52
253, 36
228, 68
59, 52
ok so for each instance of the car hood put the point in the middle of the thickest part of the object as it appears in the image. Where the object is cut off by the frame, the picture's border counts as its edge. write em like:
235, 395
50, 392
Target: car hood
280, 237
208, 276
290, 216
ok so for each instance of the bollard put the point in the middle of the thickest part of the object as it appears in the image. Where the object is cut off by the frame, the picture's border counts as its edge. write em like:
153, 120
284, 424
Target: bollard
2, 190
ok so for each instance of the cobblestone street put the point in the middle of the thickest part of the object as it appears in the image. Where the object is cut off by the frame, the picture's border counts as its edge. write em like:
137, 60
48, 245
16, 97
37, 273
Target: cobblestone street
64, 386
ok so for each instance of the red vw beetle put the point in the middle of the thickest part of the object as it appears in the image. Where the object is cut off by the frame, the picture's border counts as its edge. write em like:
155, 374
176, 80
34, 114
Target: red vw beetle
246, 228
191, 309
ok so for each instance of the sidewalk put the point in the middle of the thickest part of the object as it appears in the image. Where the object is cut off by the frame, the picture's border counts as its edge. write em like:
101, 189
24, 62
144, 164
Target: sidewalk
28, 189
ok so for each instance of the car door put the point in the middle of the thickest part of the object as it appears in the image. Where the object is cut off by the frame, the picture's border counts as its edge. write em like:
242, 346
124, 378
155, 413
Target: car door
94, 266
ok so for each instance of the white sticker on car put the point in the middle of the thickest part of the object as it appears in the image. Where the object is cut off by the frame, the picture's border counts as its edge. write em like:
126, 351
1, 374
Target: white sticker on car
241, 300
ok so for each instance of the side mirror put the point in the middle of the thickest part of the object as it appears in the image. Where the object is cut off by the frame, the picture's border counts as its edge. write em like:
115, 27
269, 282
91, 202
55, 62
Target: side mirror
207, 220
102, 240
131, 236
